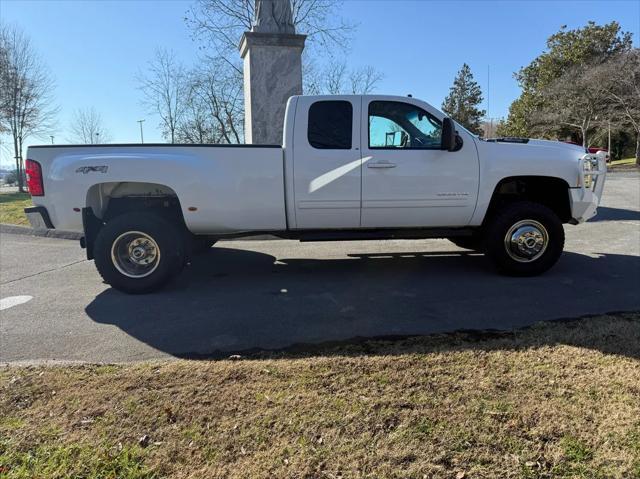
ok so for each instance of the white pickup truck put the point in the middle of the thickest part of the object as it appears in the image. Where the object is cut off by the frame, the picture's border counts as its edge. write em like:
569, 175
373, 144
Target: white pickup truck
350, 167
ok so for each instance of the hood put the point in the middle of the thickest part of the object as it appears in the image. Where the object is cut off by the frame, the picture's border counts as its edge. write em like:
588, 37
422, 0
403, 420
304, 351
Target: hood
539, 143
557, 144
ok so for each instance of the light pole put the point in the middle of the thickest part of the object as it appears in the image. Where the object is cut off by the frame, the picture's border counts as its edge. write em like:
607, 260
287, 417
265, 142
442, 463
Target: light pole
97, 138
141, 134
51, 136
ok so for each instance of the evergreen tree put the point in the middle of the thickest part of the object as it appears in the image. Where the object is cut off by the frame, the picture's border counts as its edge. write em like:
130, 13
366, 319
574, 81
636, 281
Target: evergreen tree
463, 101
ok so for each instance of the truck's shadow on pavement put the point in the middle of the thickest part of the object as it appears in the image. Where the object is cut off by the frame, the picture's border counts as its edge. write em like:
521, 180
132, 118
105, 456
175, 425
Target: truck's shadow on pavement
231, 300
615, 214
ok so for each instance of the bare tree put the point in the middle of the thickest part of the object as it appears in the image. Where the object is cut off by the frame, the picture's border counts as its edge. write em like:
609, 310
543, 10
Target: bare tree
574, 102
4, 84
87, 127
221, 23
164, 86
311, 75
214, 112
364, 80
220, 89
336, 79
196, 124
619, 80
26, 102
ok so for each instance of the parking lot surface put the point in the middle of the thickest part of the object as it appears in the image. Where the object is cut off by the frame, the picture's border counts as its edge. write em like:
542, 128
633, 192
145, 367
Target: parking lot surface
246, 295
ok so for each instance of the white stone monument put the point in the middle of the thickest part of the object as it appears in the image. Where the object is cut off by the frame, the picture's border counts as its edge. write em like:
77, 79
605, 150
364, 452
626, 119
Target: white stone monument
272, 55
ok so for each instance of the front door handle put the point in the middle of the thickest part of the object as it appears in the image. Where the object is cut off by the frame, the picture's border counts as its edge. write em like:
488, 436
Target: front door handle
381, 164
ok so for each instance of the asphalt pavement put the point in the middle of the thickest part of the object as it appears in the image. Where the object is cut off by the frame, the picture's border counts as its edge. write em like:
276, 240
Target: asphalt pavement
245, 295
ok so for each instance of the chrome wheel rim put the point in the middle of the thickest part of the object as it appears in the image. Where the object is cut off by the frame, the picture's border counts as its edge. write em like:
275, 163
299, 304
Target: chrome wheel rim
135, 254
526, 241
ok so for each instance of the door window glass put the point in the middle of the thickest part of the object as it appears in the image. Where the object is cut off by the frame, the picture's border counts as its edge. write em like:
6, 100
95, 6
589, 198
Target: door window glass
330, 125
394, 124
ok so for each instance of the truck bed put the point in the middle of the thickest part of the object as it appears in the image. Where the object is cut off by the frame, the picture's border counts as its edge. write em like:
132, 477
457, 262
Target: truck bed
221, 188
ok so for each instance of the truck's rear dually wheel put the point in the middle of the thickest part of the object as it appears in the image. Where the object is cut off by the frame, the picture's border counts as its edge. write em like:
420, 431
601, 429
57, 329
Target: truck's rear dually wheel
524, 239
139, 252
135, 254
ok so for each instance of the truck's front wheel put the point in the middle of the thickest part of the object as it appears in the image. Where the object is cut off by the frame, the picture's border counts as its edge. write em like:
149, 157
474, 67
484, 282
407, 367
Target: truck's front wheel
139, 252
524, 239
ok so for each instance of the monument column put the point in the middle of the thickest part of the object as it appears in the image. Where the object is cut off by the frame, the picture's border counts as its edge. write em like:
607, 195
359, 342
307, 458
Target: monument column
272, 55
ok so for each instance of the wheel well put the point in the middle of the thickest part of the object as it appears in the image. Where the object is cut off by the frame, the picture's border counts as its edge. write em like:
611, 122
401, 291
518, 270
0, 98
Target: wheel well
110, 199
106, 201
549, 191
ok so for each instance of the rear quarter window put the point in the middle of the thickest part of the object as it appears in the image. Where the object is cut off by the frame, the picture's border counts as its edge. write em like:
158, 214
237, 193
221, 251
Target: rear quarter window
330, 125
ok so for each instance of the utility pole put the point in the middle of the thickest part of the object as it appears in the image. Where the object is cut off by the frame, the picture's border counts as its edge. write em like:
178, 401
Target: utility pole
487, 113
609, 141
141, 134
488, 90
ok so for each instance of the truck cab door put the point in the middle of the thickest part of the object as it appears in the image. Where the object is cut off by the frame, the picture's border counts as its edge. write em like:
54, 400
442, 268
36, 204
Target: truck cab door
407, 180
327, 164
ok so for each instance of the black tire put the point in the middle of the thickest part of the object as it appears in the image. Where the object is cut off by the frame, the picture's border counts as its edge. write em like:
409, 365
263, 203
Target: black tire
474, 242
506, 255
169, 240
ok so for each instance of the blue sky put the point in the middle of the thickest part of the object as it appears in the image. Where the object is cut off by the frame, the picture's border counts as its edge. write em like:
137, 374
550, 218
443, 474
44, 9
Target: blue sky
96, 48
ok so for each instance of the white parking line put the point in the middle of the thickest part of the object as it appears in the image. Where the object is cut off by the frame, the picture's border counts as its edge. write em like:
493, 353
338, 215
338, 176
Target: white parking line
12, 301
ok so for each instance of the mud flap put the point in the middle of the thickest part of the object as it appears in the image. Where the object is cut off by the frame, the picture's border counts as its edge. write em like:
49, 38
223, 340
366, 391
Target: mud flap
91, 226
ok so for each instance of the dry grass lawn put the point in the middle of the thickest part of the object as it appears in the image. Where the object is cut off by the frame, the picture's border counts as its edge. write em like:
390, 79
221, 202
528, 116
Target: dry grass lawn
558, 400
12, 207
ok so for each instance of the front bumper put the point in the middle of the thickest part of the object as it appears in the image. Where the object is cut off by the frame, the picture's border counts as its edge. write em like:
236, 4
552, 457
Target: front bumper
586, 198
38, 216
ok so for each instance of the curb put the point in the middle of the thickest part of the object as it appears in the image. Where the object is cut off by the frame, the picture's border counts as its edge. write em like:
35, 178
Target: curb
25, 230
622, 168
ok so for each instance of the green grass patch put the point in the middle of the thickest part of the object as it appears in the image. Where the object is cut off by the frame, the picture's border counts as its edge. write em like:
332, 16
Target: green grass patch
626, 161
576, 450
77, 461
424, 428
10, 423
12, 207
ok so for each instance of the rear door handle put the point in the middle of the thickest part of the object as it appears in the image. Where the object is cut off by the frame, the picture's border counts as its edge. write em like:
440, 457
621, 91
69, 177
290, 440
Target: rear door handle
381, 164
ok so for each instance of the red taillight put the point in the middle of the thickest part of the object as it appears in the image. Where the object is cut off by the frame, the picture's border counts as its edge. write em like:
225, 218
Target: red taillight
34, 178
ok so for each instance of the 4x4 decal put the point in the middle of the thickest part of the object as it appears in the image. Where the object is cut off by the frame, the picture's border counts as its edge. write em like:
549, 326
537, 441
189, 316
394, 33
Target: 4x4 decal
89, 169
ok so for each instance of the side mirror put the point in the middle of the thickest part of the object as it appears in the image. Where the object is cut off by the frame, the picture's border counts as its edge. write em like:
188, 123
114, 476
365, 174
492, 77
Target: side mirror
448, 135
